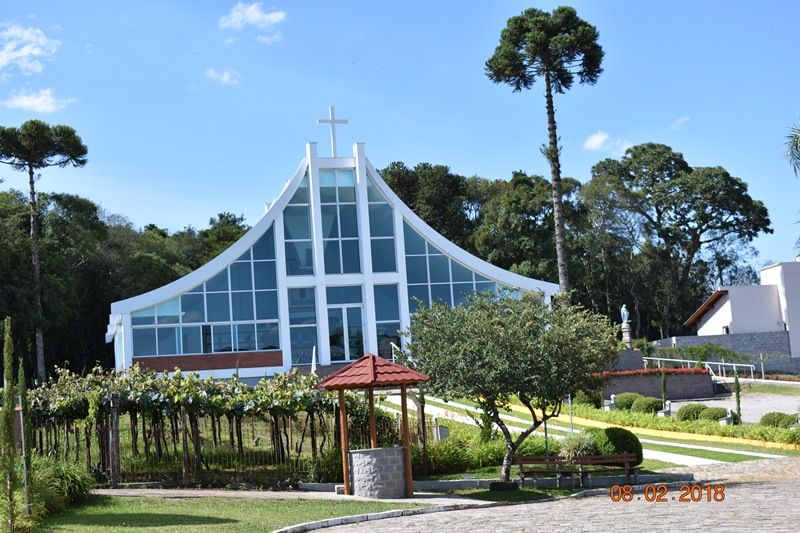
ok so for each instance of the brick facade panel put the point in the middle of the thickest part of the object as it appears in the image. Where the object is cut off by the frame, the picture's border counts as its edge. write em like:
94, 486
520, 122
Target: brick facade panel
212, 361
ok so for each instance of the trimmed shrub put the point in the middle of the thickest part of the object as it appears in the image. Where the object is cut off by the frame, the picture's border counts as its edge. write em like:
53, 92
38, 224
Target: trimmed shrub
577, 445
534, 445
489, 453
778, 420
327, 467
625, 400
690, 411
612, 440
445, 457
647, 404
712, 413
593, 398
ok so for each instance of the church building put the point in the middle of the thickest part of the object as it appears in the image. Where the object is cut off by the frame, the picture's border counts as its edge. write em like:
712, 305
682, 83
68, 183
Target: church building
332, 270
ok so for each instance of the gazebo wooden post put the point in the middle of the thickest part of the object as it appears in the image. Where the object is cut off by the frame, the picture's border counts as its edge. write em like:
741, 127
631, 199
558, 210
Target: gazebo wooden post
373, 435
345, 445
406, 444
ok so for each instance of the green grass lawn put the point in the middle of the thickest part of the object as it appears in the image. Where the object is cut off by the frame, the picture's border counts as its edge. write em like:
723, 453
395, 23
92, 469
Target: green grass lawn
769, 388
108, 513
525, 494
705, 454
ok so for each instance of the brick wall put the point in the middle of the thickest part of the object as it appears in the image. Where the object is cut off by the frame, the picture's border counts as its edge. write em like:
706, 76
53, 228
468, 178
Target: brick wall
629, 360
679, 386
212, 361
378, 472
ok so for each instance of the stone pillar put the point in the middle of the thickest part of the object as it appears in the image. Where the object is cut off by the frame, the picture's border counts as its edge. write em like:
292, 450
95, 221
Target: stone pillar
379, 472
626, 334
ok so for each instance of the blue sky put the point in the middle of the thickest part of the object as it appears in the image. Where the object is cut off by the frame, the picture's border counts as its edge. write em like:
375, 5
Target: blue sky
191, 108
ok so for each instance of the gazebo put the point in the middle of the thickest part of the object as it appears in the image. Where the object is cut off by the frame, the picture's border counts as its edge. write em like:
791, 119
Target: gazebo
369, 372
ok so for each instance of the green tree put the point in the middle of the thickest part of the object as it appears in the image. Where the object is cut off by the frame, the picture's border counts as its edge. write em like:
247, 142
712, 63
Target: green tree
224, 230
604, 246
515, 230
497, 347
435, 194
679, 212
33, 146
16, 288
793, 155
555, 47
793, 148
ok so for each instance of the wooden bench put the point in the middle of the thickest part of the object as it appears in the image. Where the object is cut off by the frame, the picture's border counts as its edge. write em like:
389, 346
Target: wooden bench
621, 462
582, 467
533, 465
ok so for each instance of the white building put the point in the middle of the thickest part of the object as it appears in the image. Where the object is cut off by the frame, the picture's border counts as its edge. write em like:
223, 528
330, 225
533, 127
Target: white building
753, 319
330, 271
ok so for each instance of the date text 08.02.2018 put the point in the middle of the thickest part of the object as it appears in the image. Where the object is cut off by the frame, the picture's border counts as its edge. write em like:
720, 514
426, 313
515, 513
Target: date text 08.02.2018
661, 493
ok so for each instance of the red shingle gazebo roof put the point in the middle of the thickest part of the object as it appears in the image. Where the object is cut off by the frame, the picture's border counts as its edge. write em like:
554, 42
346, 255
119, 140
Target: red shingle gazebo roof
371, 371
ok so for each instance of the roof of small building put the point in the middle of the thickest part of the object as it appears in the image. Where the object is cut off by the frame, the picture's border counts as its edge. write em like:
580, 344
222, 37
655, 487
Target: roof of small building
371, 371
707, 305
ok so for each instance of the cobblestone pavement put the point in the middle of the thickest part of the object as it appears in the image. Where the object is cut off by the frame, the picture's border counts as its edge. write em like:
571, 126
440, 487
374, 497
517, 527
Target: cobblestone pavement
758, 495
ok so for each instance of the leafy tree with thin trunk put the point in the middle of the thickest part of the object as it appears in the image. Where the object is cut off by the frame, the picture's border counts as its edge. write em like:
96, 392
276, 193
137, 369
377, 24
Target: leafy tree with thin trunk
497, 348
555, 47
33, 146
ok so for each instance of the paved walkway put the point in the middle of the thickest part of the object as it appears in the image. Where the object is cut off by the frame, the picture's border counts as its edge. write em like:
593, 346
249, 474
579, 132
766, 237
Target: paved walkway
758, 495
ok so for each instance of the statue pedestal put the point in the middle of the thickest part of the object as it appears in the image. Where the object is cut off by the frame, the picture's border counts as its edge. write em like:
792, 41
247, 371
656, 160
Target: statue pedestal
626, 334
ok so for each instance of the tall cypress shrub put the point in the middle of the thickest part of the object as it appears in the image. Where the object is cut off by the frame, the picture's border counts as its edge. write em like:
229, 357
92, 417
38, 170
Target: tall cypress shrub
25, 427
7, 424
738, 391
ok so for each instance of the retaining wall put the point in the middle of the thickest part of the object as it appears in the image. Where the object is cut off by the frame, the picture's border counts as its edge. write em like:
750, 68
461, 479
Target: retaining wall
773, 344
679, 386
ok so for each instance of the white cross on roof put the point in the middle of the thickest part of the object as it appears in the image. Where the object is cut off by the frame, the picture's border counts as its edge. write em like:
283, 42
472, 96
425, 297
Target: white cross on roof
333, 122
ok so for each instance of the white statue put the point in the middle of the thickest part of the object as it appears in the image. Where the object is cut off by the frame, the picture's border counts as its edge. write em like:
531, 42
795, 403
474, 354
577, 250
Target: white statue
624, 313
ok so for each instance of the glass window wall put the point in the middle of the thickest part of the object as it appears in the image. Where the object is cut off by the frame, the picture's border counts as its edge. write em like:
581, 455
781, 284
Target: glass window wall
235, 310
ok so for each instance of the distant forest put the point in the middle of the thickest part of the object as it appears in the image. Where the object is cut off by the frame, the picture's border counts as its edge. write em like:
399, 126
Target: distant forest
647, 230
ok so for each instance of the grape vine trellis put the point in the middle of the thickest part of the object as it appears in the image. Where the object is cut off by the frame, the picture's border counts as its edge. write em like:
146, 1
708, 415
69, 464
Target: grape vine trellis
71, 417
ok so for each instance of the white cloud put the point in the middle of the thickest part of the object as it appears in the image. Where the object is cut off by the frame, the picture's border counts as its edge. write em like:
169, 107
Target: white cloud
226, 77
24, 48
602, 141
250, 15
39, 102
679, 123
595, 141
269, 39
